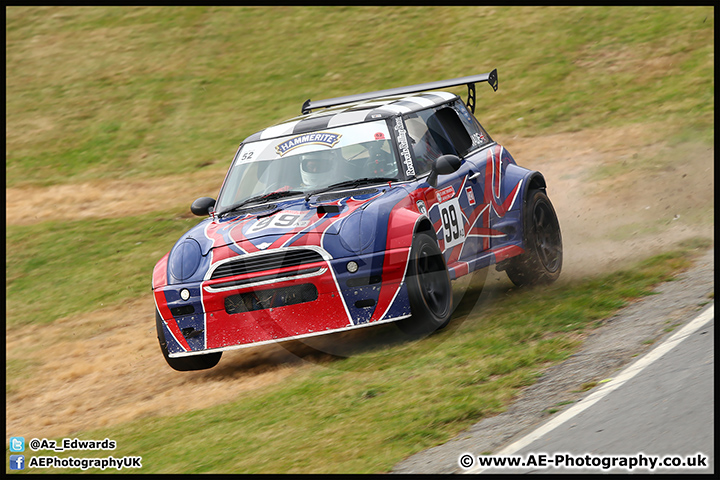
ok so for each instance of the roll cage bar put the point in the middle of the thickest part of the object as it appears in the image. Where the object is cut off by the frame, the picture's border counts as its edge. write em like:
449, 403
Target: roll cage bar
470, 81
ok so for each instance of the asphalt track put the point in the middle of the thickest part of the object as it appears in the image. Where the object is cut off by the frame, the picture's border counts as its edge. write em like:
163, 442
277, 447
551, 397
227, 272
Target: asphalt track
660, 406
654, 364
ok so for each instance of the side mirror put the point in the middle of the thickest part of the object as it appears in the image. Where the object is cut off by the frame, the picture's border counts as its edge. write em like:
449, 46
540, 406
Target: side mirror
201, 207
443, 165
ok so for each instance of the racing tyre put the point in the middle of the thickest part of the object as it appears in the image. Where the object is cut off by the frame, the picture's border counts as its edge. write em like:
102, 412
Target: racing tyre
542, 261
184, 364
429, 288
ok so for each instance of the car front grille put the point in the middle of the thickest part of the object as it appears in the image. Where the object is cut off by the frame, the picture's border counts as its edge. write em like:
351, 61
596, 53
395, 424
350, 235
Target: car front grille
254, 263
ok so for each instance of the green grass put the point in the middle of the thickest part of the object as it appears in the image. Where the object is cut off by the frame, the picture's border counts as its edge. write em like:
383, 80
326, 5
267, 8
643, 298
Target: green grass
139, 91
56, 269
365, 413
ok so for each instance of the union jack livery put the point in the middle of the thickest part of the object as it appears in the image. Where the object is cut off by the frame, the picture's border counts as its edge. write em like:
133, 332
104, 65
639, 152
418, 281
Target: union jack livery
360, 211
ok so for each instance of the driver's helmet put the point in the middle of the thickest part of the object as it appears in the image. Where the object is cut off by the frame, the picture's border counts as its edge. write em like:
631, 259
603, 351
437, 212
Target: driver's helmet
314, 167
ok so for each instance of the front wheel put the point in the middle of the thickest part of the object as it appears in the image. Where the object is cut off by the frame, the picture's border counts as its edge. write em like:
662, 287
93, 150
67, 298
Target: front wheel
542, 261
429, 287
184, 364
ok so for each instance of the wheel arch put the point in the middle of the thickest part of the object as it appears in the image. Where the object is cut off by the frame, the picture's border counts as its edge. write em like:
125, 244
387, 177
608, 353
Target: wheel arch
534, 181
424, 225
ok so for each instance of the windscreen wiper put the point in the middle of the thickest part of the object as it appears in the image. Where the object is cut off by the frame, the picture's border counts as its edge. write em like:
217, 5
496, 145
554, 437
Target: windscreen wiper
260, 198
350, 183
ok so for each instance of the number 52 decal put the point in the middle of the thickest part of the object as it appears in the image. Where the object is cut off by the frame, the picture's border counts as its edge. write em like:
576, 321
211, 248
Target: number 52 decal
452, 222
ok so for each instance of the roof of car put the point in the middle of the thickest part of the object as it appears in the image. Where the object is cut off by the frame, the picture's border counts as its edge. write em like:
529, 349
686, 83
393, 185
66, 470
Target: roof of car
358, 112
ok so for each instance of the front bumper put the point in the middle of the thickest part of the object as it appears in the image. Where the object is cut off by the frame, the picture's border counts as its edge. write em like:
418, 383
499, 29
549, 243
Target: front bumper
284, 303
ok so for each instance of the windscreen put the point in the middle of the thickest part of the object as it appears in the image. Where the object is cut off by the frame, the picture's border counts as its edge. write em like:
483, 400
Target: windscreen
309, 161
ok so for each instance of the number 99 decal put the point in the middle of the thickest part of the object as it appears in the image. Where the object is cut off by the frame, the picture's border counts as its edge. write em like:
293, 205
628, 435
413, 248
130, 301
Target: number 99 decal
452, 223
286, 220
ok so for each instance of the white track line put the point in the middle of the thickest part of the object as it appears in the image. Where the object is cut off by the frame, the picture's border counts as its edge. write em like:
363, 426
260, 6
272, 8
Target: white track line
608, 387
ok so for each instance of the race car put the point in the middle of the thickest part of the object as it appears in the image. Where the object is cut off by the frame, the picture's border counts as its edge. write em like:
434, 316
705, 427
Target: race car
358, 212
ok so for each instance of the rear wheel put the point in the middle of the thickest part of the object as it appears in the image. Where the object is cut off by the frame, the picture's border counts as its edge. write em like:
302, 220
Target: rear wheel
184, 364
542, 261
429, 287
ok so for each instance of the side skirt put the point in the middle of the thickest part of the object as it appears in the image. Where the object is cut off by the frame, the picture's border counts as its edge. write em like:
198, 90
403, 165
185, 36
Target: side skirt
494, 256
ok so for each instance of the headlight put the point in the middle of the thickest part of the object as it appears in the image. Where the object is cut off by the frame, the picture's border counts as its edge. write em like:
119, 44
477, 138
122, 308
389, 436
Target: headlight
185, 259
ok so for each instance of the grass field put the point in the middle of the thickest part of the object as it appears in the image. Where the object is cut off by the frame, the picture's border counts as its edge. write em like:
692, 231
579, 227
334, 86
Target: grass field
126, 91
106, 95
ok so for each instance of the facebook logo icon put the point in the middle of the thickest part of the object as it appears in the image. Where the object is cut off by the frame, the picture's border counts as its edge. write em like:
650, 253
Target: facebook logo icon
17, 462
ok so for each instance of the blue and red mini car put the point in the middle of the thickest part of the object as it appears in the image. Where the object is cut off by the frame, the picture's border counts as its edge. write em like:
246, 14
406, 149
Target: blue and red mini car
360, 211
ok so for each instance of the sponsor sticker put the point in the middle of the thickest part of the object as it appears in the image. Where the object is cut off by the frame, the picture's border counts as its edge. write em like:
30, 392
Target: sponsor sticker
445, 194
421, 207
478, 138
404, 147
317, 138
470, 195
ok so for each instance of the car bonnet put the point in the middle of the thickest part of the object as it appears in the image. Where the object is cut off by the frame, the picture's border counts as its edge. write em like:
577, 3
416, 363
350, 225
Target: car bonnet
290, 221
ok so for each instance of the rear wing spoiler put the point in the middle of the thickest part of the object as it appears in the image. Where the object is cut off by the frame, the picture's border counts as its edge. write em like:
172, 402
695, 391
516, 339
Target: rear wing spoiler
470, 81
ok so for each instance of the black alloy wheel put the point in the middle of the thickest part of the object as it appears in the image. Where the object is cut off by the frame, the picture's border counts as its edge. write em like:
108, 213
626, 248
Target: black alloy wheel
429, 287
542, 261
